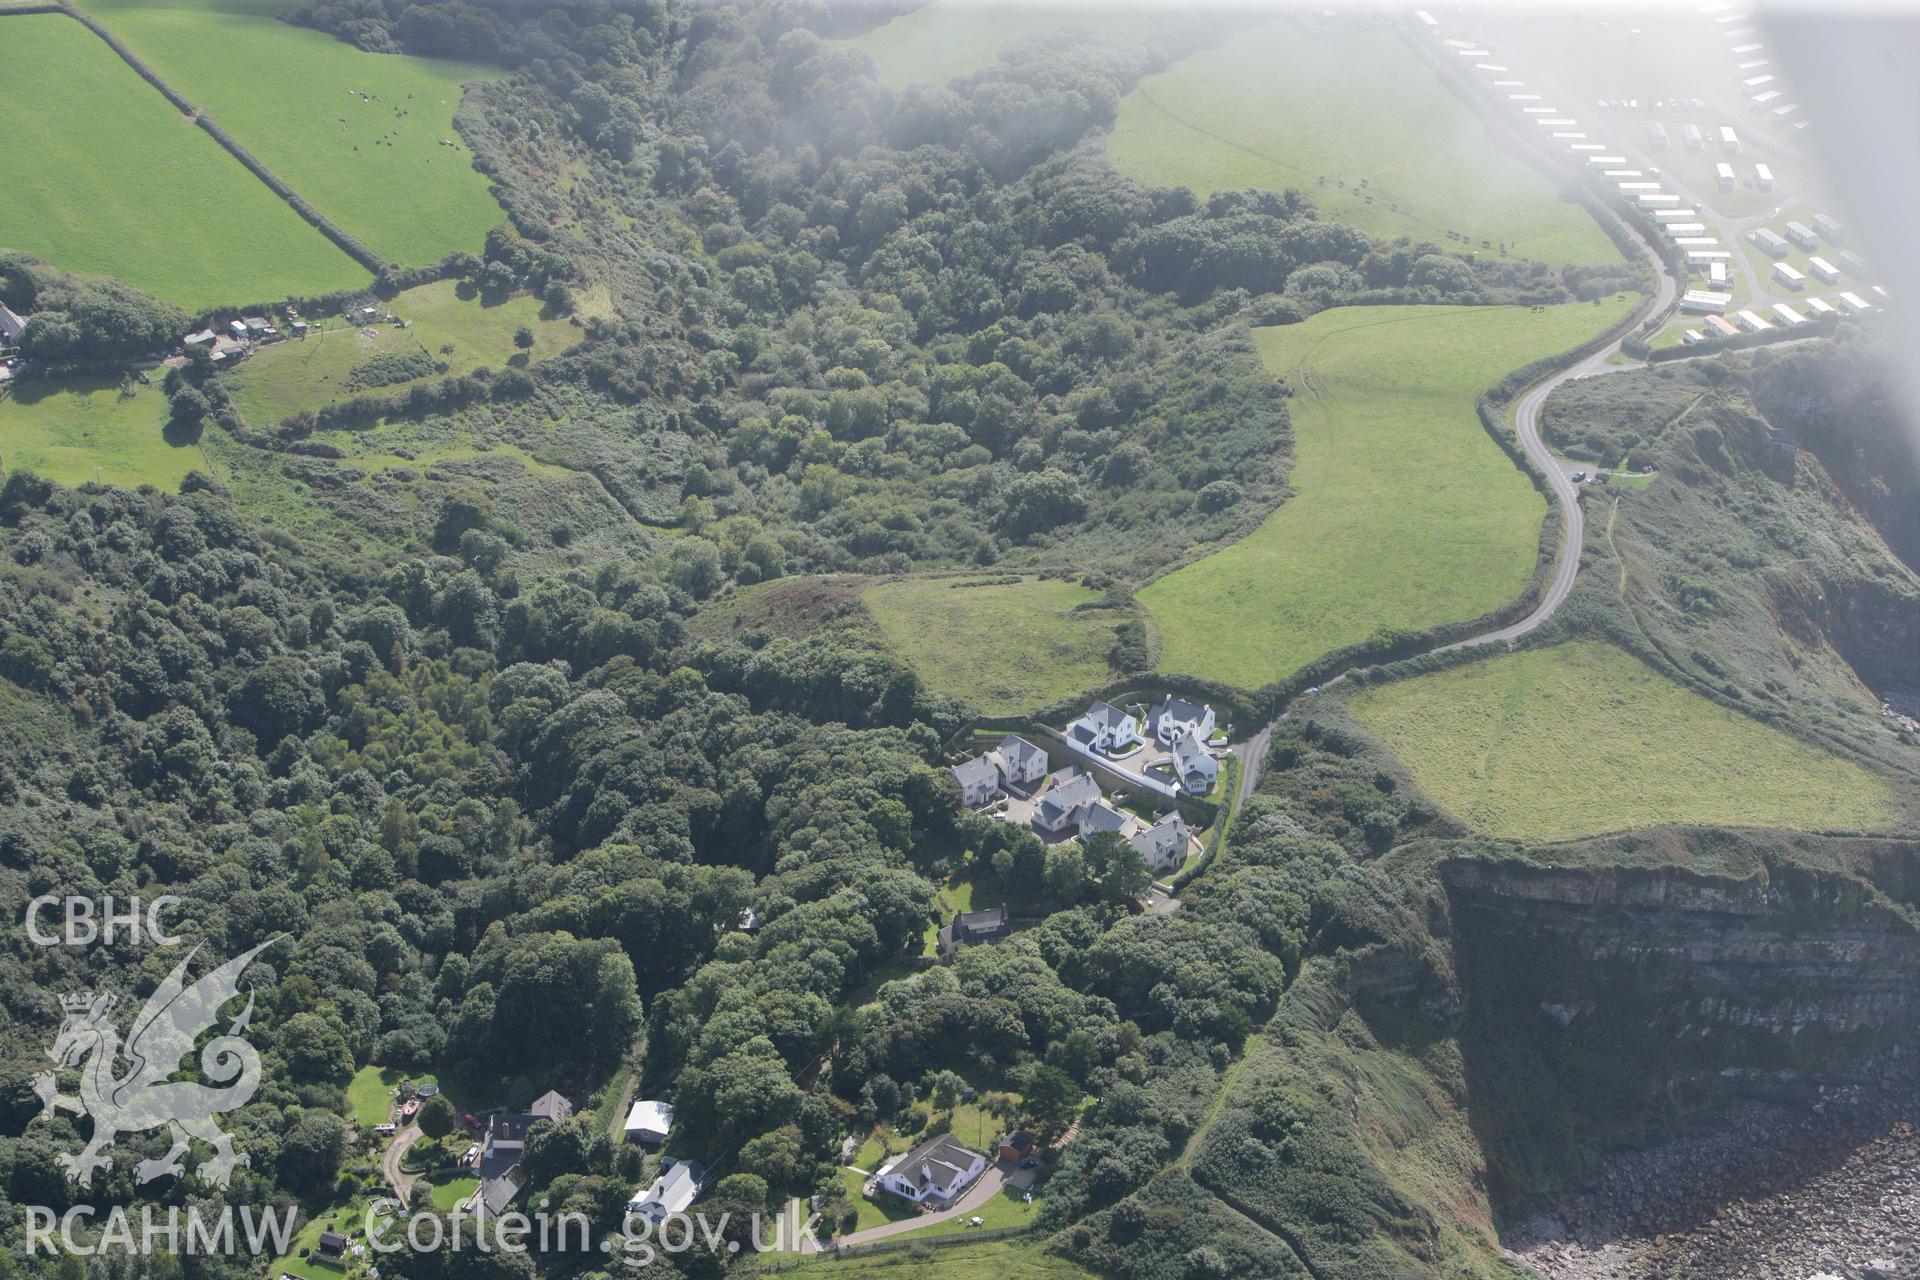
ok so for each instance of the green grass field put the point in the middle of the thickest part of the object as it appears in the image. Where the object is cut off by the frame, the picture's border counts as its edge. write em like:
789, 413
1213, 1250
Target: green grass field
1583, 739
948, 39
1358, 123
292, 96
1020, 1258
295, 375
86, 430
1006, 648
104, 177
1405, 514
370, 1095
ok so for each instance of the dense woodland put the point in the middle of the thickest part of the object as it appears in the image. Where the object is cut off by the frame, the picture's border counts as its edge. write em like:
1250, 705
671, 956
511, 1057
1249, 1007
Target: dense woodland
508, 803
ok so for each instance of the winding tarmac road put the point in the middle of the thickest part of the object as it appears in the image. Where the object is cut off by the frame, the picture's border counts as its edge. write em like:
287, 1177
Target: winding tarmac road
1526, 421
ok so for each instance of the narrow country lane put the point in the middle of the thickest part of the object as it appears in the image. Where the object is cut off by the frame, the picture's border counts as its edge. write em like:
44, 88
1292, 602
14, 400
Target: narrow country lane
1526, 421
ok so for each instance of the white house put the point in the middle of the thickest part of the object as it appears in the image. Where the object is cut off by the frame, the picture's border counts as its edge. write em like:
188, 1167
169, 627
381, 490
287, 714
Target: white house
1163, 846
1177, 716
979, 780
1020, 761
936, 1172
649, 1121
670, 1193
1195, 765
1059, 805
1105, 728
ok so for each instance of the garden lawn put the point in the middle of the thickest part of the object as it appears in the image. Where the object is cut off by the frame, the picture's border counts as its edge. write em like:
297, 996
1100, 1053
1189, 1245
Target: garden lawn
287, 377
873, 1213
104, 177
292, 97
449, 1192
370, 1095
1358, 123
1005, 1210
1005, 647
947, 39
83, 429
1405, 515
1583, 739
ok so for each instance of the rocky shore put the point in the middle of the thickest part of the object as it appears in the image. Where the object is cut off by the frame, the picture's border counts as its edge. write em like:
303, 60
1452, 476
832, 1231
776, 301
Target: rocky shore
1774, 1194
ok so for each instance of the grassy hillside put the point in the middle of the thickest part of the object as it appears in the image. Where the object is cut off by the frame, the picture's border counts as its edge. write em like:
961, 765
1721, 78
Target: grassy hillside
291, 376
1583, 738
104, 177
946, 39
1406, 515
1004, 646
87, 430
293, 97
1017, 1259
1358, 123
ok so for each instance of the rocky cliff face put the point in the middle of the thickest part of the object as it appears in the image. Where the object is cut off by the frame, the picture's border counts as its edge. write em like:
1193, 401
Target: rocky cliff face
1600, 1004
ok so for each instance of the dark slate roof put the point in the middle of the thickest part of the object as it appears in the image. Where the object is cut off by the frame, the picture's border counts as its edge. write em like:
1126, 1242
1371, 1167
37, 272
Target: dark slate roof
1015, 749
1102, 817
1019, 1140
1102, 713
939, 1163
1180, 709
992, 920
976, 771
332, 1242
11, 325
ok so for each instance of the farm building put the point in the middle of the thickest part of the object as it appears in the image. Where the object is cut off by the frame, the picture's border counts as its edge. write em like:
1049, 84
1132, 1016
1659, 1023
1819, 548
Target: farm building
1657, 136
1854, 303
198, 338
1788, 316
1755, 322
1729, 141
1722, 328
1763, 177
1852, 263
1724, 172
649, 1121
1821, 307
1802, 235
1769, 242
1693, 138
1828, 227
1789, 277
1704, 302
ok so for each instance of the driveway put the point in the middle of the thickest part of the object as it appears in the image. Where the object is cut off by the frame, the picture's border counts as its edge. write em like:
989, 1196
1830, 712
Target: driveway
998, 1174
397, 1178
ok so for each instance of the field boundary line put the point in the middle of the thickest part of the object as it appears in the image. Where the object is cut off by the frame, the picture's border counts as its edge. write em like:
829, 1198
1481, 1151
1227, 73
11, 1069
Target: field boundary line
342, 240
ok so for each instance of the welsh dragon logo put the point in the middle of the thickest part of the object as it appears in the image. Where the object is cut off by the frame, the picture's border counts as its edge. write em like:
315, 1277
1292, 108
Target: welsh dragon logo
143, 1096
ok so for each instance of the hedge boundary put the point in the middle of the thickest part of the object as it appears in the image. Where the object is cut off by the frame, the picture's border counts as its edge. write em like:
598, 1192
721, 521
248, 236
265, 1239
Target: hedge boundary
342, 239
